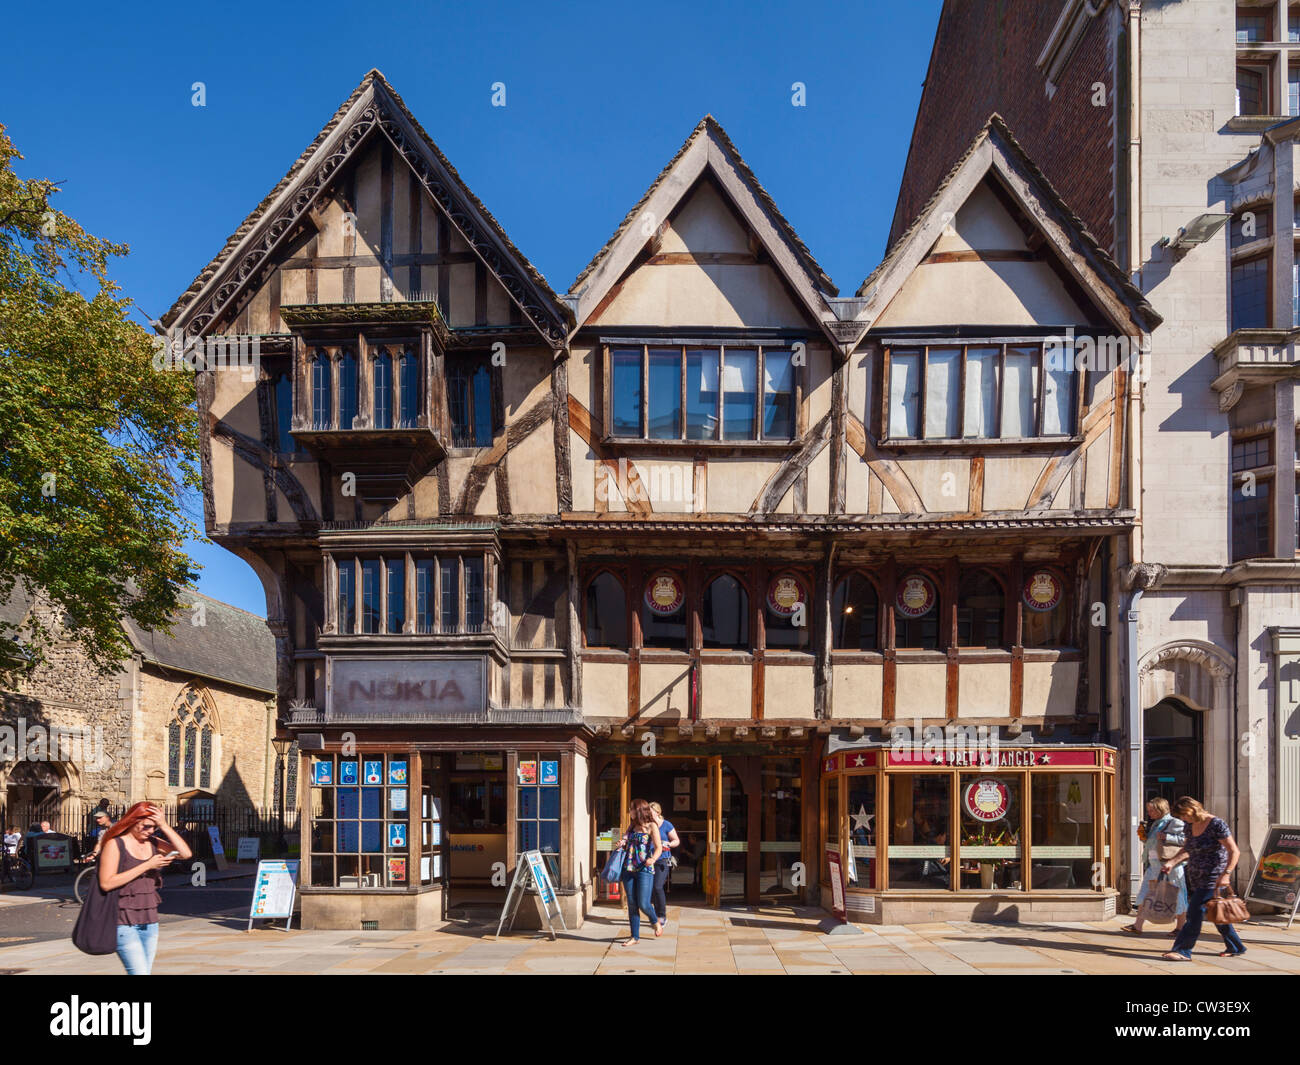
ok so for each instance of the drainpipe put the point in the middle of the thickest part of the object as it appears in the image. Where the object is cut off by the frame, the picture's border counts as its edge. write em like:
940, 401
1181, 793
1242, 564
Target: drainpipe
1134, 730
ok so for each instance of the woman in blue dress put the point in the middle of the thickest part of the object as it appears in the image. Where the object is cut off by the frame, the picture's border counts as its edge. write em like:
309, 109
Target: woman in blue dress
1163, 829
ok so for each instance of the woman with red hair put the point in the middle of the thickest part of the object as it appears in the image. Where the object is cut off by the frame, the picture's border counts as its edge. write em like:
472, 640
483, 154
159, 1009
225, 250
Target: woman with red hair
132, 869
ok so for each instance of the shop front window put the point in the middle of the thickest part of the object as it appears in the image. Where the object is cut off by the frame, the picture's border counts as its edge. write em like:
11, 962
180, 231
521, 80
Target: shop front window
920, 844
1061, 846
831, 823
861, 811
663, 612
360, 817
779, 845
991, 851
538, 806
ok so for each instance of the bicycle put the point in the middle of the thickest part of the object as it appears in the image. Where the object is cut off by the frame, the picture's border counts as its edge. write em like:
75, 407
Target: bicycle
81, 885
17, 870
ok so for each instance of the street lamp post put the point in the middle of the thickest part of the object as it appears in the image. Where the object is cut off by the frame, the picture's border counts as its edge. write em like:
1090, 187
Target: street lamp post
281, 744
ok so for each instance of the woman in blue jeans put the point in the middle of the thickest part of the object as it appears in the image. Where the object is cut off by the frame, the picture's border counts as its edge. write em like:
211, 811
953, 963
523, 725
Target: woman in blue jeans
130, 863
643, 845
1211, 855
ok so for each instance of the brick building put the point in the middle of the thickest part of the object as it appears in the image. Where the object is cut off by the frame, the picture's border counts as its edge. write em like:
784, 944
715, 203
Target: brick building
187, 715
1159, 122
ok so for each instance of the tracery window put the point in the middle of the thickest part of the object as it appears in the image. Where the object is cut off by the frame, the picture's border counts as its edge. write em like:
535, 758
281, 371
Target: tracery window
190, 741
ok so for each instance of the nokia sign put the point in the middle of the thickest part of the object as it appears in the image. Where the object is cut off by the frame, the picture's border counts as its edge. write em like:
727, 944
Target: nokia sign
406, 688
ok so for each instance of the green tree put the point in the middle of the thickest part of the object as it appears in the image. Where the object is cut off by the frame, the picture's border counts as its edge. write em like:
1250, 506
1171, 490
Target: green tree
96, 446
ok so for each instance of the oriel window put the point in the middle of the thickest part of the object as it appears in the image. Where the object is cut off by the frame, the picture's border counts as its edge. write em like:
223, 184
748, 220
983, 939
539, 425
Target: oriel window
469, 400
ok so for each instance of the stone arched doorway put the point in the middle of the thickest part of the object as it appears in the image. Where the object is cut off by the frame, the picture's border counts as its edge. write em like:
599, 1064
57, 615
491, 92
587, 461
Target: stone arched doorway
1187, 722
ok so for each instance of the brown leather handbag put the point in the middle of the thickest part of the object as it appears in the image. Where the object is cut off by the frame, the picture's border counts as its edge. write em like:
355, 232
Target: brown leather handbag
1226, 909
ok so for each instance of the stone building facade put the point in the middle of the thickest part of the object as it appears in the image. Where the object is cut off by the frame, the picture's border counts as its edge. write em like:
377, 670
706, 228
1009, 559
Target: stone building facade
186, 715
1184, 166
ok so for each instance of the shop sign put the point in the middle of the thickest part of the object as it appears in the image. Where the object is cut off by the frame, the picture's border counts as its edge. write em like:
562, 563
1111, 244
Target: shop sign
831, 764
53, 851
785, 594
860, 760
986, 800
1003, 758
416, 688
1042, 591
1276, 879
916, 597
322, 773
374, 772
528, 772
837, 885
664, 594
397, 772
396, 835
347, 772
273, 890
550, 772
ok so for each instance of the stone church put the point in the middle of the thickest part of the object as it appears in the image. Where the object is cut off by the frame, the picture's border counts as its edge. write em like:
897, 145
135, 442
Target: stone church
187, 716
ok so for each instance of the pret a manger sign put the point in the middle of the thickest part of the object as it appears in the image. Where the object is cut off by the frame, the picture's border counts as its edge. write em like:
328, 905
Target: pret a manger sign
405, 687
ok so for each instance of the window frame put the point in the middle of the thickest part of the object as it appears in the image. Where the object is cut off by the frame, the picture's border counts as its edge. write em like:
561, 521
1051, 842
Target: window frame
707, 580
761, 347
1004, 345
591, 578
409, 623
1266, 259
841, 577
470, 362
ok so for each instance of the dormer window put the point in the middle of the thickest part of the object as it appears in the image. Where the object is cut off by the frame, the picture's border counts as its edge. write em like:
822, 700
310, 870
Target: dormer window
980, 392
724, 393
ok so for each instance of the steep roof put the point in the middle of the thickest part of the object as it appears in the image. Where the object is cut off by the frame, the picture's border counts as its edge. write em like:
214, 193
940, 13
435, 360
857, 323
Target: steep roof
231, 645
373, 106
995, 149
708, 149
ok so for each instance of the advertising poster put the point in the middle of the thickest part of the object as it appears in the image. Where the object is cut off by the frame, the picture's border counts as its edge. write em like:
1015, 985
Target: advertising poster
347, 772
374, 772
527, 772
397, 870
1276, 879
397, 772
837, 885
274, 889
550, 772
396, 835
322, 773
397, 797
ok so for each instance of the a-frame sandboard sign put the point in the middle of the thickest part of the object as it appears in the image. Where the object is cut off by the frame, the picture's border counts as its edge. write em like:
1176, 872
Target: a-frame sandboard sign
531, 874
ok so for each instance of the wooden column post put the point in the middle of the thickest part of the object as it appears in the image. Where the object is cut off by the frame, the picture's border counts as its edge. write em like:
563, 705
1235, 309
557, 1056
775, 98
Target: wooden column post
573, 626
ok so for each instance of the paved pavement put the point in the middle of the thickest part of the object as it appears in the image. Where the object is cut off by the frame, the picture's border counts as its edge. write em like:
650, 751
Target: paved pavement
774, 940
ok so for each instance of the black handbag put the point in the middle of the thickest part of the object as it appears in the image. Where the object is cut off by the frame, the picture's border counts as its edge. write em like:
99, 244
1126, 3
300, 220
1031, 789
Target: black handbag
96, 929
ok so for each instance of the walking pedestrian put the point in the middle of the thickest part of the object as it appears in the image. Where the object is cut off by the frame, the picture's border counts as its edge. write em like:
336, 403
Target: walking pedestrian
134, 866
1211, 855
1163, 831
642, 845
664, 866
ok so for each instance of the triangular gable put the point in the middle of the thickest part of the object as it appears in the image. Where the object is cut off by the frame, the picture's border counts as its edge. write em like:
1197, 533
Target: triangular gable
373, 110
708, 152
996, 161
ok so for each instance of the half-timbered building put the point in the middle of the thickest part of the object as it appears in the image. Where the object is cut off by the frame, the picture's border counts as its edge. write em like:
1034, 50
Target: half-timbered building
820, 574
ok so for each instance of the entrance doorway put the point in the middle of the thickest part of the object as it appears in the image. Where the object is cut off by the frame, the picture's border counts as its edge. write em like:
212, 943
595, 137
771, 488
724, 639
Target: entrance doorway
476, 822
738, 819
1172, 743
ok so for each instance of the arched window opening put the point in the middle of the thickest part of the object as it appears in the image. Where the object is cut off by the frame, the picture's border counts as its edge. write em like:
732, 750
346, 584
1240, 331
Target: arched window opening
1046, 615
189, 741
408, 381
981, 603
383, 382
724, 616
664, 613
606, 612
321, 392
347, 390
916, 613
1173, 738
855, 612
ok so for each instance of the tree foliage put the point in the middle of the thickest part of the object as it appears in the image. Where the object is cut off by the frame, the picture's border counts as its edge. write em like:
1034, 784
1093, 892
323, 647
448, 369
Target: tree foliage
96, 446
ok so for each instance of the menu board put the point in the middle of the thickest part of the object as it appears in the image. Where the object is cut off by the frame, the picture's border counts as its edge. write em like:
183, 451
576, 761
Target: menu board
273, 890
1276, 879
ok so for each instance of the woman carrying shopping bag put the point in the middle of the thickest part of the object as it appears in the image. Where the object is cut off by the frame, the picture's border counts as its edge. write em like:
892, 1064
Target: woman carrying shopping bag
1211, 855
1164, 839
642, 845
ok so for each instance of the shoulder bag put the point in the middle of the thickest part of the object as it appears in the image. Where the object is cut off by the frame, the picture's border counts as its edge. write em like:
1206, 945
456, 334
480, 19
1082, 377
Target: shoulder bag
96, 929
613, 871
1226, 908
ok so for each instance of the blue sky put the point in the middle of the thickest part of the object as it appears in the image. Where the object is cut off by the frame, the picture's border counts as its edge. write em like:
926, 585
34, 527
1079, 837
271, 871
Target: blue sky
598, 98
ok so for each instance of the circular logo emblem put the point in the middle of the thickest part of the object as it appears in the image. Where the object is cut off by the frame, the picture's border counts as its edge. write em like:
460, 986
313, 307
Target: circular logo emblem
664, 594
784, 594
916, 597
1042, 591
986, 800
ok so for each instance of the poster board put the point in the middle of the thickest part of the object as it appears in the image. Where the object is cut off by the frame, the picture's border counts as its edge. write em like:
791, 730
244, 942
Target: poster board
250, 849
274, 890
1276, 878
218, 852
837, 885
531, 874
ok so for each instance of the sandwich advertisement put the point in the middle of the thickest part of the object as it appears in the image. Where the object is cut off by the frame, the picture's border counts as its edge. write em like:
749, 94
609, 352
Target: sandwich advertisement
1277, 876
